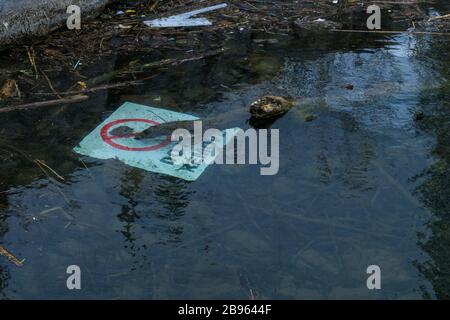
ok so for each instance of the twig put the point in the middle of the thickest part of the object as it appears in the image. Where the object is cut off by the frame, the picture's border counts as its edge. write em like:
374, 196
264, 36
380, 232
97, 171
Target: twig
50, 84
19, 94
154, 5
49, 103
67, 215
10, 257
42, 169
32, 59
53, 181
84, 164
439, 17
40, 162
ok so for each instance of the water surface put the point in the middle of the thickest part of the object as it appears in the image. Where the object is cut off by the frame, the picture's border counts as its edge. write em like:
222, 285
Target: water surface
363, 184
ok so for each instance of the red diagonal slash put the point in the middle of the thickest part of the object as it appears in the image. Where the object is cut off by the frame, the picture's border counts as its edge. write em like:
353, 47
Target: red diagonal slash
104, 133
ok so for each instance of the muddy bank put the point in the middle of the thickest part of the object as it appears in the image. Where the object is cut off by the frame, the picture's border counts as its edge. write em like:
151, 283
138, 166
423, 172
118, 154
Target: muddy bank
27, 18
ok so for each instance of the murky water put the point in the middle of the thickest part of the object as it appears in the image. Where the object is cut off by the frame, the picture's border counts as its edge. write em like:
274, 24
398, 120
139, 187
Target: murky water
363, 184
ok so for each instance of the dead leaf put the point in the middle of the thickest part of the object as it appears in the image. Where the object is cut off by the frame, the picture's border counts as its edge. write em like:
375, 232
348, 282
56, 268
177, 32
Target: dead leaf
82, 85
8, 89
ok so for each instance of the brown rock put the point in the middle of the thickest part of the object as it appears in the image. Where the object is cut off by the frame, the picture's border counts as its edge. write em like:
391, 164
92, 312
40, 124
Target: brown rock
269, 107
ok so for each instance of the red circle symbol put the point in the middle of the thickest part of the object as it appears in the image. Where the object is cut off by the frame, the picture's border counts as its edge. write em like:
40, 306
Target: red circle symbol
104, 133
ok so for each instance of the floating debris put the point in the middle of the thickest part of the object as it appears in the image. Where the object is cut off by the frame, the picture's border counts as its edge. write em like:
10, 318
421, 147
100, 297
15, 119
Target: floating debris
11, 257
306, 24
184, 19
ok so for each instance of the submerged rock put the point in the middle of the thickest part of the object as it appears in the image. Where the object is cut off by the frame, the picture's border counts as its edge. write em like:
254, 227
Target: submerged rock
419, 115
22, 19
310, 117
348, 86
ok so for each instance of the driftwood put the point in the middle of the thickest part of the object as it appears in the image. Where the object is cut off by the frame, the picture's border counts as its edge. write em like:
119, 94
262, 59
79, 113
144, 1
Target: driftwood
48, 103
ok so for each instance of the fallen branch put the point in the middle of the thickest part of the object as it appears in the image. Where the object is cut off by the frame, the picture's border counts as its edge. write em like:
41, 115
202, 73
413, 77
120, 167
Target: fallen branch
49, 103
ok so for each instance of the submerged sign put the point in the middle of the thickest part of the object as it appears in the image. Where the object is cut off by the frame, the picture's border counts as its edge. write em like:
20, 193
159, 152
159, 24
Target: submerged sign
153, 154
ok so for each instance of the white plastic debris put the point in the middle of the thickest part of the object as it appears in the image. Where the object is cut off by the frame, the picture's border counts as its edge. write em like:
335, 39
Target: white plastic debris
184, 19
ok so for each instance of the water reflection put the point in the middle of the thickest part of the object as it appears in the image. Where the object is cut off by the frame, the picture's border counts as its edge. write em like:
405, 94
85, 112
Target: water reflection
434, 181
341, 202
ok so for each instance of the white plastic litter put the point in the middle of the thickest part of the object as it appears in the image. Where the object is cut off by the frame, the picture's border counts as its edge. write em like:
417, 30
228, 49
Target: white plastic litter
184, 19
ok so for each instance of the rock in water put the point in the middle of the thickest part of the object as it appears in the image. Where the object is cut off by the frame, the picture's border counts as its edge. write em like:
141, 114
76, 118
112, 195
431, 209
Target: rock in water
269, 107
310, 117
